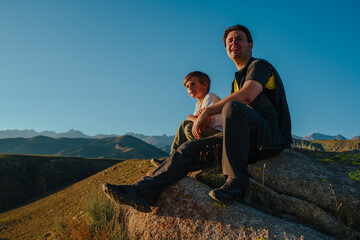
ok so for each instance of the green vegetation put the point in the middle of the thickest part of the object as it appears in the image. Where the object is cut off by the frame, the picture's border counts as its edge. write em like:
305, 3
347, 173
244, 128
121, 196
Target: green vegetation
355, 175
349, 158
211, 175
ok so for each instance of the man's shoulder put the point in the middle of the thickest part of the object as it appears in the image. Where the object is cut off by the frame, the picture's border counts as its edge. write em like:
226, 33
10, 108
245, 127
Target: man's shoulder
258, 62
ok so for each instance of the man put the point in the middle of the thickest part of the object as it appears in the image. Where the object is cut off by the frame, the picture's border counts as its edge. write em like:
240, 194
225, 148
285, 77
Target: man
256, 124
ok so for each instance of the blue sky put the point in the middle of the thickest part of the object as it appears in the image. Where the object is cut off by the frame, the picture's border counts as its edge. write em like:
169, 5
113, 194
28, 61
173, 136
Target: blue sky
118, 66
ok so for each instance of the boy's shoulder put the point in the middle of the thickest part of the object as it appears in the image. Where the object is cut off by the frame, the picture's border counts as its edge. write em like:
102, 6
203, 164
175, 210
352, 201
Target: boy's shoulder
212, 95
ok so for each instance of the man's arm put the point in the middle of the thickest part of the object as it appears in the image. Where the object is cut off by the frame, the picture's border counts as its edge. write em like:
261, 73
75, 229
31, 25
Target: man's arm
194, 117
245, 95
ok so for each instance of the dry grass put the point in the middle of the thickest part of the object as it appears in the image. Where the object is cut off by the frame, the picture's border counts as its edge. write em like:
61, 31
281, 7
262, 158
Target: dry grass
37, 220
98, 222
331, 145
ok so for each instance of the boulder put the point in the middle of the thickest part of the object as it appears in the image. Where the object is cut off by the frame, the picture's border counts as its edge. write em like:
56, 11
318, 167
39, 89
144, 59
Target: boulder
185, 211
290, 196
317, 192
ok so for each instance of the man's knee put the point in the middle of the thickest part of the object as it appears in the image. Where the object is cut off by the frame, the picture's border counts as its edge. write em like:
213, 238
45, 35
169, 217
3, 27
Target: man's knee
233, 108
185, 147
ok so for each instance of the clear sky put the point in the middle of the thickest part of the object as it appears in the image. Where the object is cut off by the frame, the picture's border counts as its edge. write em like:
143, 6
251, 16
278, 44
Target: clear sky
118, 66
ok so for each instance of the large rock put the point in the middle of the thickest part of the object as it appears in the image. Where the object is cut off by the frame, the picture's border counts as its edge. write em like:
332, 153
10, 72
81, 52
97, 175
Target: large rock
320, 193
185, 211
291, 196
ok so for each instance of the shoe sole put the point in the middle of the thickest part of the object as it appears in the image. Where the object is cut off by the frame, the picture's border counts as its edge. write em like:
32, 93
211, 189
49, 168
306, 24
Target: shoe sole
113, 194
212, 195
155, 164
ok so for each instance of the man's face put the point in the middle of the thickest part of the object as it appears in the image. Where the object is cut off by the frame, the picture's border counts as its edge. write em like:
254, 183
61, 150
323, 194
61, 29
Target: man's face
237, 45
195, 89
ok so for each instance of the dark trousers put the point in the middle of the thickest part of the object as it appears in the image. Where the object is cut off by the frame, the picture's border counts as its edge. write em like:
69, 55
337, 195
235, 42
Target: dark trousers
245, 139
184, 133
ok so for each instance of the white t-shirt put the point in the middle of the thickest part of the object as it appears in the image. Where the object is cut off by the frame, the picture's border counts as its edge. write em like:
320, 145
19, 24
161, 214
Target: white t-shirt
215, 120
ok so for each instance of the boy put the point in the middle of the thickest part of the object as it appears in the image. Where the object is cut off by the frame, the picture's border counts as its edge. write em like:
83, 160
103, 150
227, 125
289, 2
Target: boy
197, 85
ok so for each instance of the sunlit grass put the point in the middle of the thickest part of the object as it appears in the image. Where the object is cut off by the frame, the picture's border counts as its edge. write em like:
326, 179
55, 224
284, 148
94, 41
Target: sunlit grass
99, 221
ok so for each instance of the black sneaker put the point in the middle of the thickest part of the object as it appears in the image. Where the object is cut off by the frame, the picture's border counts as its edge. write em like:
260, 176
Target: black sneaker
126, 194
229, 192
157, 162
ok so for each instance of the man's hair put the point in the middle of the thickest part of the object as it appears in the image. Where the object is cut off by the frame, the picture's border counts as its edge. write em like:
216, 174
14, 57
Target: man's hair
237, 27
203, 78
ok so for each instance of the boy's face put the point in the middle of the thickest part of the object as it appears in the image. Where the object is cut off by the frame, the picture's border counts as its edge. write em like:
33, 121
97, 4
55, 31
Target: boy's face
195, 89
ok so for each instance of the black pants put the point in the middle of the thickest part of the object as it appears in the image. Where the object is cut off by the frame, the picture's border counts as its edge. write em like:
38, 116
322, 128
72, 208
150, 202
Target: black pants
247, 137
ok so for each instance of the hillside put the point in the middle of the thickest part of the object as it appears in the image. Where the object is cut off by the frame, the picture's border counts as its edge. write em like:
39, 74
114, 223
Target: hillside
331, 145
124, 147
300, 143
38, 219
339, 145
23, 177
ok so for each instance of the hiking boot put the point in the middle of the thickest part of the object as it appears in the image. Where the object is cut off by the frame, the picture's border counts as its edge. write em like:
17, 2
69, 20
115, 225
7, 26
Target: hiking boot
157, 162
229, 192
127, 195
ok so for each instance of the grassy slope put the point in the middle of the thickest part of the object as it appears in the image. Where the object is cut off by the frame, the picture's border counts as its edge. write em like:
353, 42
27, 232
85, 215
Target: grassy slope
339, 145
37, 220
23, 177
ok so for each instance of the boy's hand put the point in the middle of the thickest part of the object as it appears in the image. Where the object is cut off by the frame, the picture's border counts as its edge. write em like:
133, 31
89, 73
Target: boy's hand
199, 112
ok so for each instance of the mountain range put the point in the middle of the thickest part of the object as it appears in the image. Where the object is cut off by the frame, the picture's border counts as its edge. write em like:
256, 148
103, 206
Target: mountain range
28, 133
162, 142
156, 140
123, 147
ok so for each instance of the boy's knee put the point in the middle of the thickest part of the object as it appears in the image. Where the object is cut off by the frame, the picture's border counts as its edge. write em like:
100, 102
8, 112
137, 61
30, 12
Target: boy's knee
188, 127
184, 123
188, 131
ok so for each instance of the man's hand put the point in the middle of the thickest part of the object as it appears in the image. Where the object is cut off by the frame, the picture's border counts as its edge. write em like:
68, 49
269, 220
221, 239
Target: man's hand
200, 123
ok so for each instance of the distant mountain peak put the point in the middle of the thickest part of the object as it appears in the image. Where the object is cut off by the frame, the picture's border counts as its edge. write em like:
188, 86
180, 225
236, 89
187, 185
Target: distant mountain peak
26, 133
320, 136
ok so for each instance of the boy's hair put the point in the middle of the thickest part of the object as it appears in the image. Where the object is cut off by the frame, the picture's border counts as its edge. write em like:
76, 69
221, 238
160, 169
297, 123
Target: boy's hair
237, 27
203, 78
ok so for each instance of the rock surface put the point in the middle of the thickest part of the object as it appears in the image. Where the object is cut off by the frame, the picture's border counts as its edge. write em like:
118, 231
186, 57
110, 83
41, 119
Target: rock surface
291, 196
185, 211
319, 193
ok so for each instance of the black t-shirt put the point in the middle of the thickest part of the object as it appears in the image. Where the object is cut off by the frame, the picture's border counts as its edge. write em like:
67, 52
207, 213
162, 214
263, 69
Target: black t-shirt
271, 102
